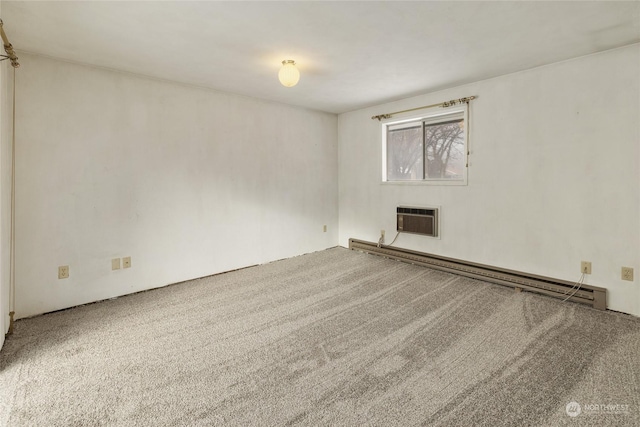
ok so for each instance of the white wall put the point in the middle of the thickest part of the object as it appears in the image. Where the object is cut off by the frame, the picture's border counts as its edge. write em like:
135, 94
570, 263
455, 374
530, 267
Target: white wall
553, 179
187, 181
4, 309
191, 182
6, 85
5, 200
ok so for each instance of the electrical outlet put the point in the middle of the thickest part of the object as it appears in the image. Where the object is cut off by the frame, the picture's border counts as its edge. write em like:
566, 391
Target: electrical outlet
585, 267
115, 264
627, 273
63, 272
382, 234
324, 228
126, 262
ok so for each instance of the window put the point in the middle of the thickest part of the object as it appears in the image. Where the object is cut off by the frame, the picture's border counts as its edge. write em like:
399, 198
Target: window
430, 148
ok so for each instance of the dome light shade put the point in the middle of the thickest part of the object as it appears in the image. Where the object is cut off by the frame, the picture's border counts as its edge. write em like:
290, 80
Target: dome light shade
289, 74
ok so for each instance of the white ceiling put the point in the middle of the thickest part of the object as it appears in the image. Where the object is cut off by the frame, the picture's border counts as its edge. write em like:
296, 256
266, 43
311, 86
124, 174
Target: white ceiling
350, 54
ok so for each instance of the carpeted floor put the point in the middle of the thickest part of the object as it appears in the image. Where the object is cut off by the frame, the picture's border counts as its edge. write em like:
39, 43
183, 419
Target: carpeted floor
331, 338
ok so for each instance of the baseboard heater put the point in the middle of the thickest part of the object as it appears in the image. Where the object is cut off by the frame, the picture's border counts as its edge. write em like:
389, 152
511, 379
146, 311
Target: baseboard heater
587, 294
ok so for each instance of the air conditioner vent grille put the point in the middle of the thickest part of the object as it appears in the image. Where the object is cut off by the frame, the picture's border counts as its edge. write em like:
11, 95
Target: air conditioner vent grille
416, 211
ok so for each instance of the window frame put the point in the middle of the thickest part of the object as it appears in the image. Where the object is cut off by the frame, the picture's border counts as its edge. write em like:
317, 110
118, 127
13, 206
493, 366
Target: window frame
431, 116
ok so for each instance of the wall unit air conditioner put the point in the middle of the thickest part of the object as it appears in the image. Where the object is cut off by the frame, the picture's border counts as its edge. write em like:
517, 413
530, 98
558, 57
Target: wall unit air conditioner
416, 220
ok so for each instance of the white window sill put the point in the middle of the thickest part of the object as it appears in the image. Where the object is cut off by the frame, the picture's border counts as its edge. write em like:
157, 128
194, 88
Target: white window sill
428, 183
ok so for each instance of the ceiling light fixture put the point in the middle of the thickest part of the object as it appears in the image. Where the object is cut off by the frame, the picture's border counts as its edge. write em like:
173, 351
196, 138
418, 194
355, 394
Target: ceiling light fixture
289, 74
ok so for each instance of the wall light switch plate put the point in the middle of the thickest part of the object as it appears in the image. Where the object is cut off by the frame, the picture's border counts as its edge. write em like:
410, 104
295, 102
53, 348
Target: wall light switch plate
126, 262
115, 264
63, 272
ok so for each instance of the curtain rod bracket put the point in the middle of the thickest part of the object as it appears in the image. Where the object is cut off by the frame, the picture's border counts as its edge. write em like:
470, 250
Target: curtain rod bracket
8, 47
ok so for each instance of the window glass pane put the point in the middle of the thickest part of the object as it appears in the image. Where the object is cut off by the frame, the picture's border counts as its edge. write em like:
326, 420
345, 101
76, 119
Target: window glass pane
405, 152
445, 150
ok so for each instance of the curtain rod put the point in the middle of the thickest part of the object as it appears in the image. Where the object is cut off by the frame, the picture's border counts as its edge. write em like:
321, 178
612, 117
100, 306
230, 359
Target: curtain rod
8, 48
442, 104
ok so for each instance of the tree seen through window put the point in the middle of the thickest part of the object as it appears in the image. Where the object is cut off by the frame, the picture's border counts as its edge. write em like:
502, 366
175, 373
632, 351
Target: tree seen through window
426, 150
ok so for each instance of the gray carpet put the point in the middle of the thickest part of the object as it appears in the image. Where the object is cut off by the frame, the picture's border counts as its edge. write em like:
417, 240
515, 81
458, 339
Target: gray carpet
330, 338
